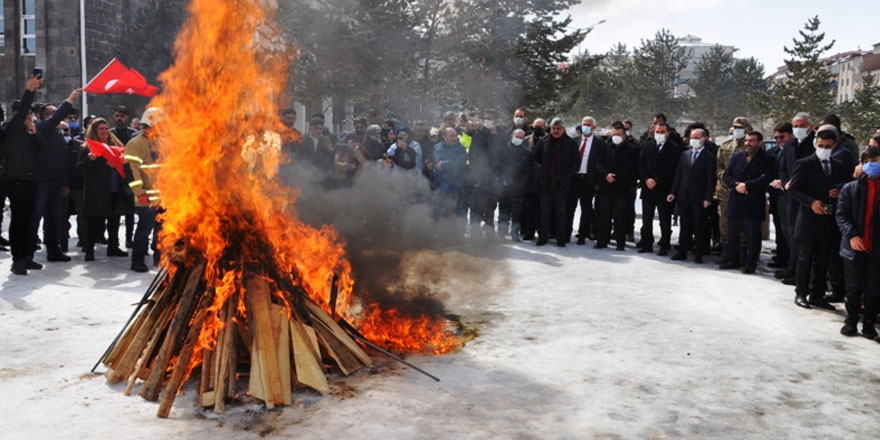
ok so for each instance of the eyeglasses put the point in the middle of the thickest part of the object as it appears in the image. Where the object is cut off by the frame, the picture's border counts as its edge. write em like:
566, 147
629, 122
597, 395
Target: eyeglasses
779, 138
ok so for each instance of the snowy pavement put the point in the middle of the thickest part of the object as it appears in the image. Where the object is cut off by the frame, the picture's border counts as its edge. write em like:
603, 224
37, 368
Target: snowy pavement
573, 343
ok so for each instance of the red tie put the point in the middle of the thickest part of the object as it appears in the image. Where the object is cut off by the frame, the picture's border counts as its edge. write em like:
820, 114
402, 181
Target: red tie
583, 147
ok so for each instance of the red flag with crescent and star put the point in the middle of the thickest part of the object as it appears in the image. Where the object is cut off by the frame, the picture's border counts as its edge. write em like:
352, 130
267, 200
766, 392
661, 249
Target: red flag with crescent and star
116, 78
115, 156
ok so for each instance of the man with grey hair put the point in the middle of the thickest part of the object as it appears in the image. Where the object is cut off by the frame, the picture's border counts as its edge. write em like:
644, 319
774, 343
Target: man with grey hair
584, 183
514, 166
373, 142
802, 129
558, 156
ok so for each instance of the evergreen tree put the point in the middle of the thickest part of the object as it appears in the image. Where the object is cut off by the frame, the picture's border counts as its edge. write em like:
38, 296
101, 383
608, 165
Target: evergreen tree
657, 64
714, 91
807, 85
862, 115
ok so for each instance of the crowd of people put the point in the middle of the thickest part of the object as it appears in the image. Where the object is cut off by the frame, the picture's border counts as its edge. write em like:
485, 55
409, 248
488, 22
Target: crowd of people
48, 173
817, 187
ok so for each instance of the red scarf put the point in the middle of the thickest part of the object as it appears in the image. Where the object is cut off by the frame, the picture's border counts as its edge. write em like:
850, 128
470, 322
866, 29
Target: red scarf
871, 199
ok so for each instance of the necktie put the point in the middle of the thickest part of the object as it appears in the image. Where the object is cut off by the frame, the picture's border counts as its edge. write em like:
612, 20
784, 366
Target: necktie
694, 157
583, 147
826, 166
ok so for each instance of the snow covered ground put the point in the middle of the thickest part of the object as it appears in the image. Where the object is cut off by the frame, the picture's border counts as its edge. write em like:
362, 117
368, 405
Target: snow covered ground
573, 343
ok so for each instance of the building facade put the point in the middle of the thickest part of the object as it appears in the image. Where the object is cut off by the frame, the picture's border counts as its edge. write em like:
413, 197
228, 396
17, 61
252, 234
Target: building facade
47, 34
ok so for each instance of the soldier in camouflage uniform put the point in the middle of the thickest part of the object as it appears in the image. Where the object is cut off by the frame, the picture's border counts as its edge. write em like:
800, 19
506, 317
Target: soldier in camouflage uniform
735, 144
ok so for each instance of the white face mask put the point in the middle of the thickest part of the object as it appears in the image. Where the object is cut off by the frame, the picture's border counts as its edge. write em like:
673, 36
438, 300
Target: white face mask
696, 144
628, 133
739, 133
516, 141
616, 139
823, 153
488, 123
659, 138
800, 133
67, 138
518, 122
586, 130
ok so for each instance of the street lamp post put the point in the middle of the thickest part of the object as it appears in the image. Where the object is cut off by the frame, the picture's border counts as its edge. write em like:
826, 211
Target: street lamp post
589, 29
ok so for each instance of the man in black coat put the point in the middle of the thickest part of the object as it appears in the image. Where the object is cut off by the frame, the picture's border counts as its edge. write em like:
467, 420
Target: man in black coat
693, 187
558, 156
795, 149
815, 186
49, 202
585, 181
618, 172
21, 150
858, 218
657, 163
747, 175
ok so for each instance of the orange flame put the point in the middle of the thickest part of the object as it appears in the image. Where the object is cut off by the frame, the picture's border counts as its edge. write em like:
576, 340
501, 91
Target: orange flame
221, 149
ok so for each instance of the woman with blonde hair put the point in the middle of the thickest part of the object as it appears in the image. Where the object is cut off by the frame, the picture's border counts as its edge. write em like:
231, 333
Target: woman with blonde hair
106, 196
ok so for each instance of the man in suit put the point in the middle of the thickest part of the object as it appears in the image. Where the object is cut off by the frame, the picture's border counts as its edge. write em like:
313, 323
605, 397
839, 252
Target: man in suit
782, 134
657, 163
815, 186
585, 181
558, 156
618, 172
748, 175
693, 187
799, 146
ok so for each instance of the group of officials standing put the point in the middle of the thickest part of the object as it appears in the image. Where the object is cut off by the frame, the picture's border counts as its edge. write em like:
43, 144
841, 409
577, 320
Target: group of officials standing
822, 198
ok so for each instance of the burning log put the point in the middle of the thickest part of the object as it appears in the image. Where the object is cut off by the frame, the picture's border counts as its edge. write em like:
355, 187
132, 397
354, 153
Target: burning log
282, 330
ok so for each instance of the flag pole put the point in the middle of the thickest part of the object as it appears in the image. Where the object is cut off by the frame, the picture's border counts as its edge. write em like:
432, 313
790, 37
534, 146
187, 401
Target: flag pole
82, 50
99, 73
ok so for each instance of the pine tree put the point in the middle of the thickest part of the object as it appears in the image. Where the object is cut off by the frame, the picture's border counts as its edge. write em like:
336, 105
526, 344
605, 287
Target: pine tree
713, 89
807, 85
657, 64
861, 116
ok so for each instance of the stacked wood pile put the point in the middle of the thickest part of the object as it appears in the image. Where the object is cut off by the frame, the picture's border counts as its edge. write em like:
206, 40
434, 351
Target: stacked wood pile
282, 339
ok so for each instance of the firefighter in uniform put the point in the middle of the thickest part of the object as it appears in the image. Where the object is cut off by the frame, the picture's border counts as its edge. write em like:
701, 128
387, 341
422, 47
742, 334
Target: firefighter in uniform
141, 159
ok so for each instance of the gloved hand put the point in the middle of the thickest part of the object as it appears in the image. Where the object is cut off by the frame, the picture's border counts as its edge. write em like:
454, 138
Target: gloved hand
143, 199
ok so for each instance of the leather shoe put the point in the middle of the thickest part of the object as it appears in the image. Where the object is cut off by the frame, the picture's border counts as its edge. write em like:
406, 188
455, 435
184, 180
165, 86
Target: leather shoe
664, 251
729, 265
835, 298
646, 249
90, 256
600, 246
790, 281
58, 258
621, 247
18, 268
778, 264
679, 256
3, 249
749, 269
869, 331
139, 266
801, 301
581, 241
31, 264
4, 241
724, 259
783, 273
698, 259
541, 242
849, 329
560, 243
116, 252
822, 304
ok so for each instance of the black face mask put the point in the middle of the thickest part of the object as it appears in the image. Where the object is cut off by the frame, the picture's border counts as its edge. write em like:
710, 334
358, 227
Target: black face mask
538, 131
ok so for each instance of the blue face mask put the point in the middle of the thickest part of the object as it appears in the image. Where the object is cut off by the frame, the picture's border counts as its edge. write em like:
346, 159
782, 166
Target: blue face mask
872, 169
74, 125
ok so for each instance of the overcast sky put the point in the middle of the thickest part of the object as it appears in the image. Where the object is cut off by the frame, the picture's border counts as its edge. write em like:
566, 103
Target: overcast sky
758, 28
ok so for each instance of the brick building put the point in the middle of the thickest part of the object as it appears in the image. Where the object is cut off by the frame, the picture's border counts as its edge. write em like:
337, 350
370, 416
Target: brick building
46, 33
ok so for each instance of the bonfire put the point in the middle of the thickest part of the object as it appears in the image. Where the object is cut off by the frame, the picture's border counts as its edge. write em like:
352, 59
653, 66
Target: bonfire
245, 289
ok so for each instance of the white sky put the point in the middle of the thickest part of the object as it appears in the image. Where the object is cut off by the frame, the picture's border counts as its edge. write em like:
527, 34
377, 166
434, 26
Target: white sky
758, 28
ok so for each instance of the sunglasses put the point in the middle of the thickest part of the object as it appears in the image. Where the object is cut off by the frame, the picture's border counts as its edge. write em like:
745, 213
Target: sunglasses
779, 138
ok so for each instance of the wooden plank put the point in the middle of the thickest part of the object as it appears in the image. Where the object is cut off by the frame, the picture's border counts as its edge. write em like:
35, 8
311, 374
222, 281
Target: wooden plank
317, 312
257, 291
206, 399
123, 344
344, 358
148, 350
305, 357
281, 329
189, 345
221, 366
182, 316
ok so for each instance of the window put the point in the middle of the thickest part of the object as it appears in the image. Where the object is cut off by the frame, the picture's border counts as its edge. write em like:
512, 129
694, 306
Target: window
28, 28
2, 30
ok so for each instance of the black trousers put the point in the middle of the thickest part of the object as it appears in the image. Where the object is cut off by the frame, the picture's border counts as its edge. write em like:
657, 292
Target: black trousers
735, 227
776, 211
694, 228
793, 244
862, 287
836, 272
553, 210
812, 267
581, 193
664, 209
22, 199
531, 215
714, 222
616, 208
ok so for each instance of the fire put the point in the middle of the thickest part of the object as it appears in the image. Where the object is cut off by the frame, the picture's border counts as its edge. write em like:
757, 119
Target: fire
222, 199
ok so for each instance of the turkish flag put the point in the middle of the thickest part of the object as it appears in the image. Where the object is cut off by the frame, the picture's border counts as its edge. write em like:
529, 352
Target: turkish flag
115, 156
116, 78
